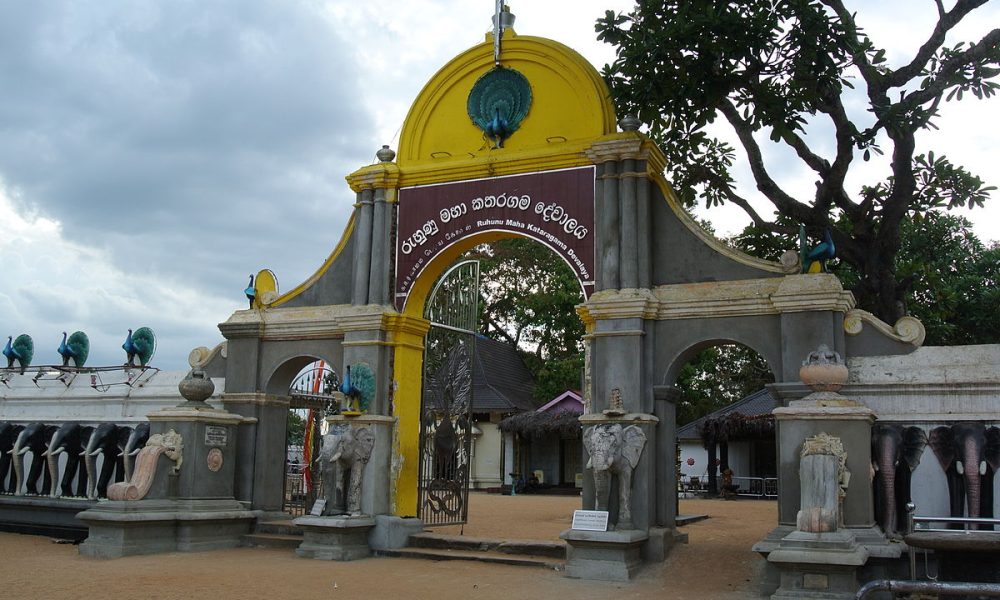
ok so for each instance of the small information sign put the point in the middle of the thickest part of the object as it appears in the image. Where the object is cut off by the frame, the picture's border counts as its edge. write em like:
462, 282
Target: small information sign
317, 509
216, 436
590, 520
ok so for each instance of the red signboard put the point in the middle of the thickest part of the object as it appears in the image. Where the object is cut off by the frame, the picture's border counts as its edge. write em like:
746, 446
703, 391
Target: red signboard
556, 208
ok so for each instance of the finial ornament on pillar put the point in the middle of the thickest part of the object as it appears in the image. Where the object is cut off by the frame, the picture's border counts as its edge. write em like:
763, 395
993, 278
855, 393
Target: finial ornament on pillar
502, 19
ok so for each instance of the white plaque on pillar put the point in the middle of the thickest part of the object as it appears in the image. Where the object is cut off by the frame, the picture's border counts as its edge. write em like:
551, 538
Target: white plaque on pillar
317, 509
590, 520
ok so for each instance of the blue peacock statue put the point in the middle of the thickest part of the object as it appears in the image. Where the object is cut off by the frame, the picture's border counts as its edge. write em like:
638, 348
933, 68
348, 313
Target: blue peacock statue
359, 388
251, 292
814, 260
76, 348
20, 350
139, 345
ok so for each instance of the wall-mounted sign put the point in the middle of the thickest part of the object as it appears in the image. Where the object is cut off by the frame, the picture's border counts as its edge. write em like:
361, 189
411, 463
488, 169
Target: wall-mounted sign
590, 520
555, 208
216, 436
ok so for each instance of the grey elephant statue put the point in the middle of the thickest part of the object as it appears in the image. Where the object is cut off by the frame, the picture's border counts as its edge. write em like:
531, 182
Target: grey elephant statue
896, 452
969, 453
343, 457
71, 439
614, 450
103, 441
34, 438
8, 433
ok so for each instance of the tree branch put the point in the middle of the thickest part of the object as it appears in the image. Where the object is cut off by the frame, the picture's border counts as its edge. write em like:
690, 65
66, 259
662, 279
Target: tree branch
941, 82
765, 184
945, 23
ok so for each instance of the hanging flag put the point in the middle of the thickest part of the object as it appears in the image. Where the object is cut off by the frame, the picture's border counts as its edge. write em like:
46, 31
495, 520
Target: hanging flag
310, 427
307, 453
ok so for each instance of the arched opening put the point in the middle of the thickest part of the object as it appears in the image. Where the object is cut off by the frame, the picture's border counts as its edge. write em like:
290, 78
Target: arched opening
725, 436
310, 384
527, 352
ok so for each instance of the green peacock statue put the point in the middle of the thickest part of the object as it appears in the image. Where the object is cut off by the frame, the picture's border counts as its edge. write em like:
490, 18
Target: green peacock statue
140, 345
75, 347
19, 350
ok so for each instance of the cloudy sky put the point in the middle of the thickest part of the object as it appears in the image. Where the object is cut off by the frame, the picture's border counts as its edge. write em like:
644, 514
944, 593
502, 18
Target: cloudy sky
153, 154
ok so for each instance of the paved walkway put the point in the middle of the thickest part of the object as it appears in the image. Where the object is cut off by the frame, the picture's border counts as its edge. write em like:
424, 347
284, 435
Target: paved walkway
717, 564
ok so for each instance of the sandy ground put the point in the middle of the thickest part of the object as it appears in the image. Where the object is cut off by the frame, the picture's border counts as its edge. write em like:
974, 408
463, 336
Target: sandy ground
716, 564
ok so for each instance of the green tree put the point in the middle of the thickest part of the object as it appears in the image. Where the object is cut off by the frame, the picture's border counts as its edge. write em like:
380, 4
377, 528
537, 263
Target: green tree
951, 275
718, 376
296, 428
529, 300
787, 68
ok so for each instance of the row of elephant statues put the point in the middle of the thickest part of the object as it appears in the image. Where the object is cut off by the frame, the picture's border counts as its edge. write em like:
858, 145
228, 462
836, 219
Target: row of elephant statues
968, 453
83, 444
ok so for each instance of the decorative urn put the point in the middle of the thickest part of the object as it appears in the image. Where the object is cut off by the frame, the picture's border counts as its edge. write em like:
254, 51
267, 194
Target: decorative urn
196, 388
824, 370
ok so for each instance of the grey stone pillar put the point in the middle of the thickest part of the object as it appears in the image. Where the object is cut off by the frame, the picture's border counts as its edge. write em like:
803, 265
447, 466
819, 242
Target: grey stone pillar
598, 236
644, 229
362, 248
666, 448
379, 277
609, 223
260, 472
629, 247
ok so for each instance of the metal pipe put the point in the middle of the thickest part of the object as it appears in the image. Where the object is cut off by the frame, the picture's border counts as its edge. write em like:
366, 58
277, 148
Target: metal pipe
938, 587
910, 509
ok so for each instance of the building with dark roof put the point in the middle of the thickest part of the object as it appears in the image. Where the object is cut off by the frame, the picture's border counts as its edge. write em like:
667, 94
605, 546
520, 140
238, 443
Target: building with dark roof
740, 435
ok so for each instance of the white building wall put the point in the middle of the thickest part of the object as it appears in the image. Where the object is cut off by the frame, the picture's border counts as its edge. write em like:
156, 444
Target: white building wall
486, 452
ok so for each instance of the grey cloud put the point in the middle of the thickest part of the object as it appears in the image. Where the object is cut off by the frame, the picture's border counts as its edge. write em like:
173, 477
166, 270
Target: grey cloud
189, 139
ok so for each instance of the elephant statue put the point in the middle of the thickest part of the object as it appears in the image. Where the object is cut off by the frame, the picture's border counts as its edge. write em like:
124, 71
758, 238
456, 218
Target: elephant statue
896, 451
969, 453
344, 454
70, 438
33, 438
614, 450
104, 441
8, 434
137, 438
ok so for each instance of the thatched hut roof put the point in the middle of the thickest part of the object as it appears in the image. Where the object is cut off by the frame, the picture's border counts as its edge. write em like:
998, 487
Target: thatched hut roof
735, 427
536, 424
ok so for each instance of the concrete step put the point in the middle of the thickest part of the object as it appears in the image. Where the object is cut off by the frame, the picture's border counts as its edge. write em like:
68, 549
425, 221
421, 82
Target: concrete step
542, 548
270, 540
490, 556
281, 526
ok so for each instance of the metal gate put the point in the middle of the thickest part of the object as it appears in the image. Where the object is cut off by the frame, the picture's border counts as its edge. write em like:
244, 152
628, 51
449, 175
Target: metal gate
446, 399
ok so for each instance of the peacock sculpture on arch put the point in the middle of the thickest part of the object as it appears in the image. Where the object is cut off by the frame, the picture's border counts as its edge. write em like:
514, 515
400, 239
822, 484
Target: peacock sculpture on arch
139, 346
19, 350
75, 347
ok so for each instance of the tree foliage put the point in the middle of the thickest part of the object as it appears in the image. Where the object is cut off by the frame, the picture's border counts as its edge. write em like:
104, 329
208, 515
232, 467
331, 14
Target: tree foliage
951, 275
782, 69
718, 376
529, 300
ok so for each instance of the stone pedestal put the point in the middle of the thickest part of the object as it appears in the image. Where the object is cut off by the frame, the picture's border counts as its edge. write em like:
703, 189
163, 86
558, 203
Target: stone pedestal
128, 528
603, 555
186, 502
335, 538
818, 565
839, 417
376, 494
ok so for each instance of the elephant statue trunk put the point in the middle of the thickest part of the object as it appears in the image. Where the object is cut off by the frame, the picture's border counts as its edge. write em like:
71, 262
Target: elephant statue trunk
17, 458
886, 472
971, 468
52, 458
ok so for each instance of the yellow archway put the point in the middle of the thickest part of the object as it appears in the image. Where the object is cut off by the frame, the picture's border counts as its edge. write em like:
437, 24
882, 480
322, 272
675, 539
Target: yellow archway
570, 110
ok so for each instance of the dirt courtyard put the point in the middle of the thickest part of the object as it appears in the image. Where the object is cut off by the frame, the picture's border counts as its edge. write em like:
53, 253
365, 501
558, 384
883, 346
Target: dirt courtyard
716, 564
